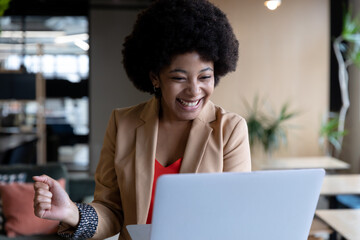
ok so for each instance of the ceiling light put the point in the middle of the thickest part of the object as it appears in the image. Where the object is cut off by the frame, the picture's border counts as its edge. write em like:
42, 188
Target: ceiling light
81, 44
78, 39
72, 38
272, 4
31, 34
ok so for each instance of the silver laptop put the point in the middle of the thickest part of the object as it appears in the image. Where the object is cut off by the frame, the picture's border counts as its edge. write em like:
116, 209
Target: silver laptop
229, 206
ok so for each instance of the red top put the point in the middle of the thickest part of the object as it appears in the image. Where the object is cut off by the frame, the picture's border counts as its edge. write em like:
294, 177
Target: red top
160, 170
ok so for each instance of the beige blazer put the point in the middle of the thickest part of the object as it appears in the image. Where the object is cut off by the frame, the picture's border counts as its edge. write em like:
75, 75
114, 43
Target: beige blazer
218, 141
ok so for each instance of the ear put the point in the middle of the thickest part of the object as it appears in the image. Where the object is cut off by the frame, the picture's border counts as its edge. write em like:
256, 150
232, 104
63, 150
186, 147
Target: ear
154, 79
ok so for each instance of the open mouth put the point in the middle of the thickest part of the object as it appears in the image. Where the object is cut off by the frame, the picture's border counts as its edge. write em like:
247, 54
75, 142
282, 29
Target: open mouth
189, 103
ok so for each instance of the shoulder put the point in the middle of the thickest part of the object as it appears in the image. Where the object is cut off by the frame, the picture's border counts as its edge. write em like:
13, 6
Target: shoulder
232, 131
228, 125
129, 112
227, 119
133, 116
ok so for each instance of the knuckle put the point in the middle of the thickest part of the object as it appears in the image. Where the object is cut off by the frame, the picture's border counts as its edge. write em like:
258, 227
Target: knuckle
44, 192
44, 206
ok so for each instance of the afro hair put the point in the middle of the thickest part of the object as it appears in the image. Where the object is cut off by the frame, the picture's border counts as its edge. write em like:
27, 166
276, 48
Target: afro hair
171, 27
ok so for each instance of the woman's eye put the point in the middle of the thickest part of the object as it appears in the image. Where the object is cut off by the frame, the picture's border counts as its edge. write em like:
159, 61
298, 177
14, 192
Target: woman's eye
178, 78
205, 77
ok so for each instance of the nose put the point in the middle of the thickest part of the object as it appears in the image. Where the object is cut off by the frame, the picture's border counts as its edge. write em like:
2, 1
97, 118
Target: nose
194, 87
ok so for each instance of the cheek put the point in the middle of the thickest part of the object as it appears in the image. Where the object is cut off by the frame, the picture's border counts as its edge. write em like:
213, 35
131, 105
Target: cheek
209, 92
209, 89
170, 92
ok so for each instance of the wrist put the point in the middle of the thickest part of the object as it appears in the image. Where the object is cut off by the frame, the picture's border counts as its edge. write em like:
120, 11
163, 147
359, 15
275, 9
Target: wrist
72, 217
86, 226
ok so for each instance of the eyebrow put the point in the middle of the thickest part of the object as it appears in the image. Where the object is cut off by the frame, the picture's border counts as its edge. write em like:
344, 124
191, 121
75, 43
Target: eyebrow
183, 71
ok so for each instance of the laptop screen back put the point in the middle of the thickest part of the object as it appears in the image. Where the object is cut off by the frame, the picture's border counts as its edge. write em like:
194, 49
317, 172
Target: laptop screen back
227, 206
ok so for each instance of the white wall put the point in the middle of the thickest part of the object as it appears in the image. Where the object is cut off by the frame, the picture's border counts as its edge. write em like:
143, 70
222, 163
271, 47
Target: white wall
109, 85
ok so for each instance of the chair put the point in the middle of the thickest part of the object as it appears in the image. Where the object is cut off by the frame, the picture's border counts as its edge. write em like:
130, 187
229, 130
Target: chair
349, 201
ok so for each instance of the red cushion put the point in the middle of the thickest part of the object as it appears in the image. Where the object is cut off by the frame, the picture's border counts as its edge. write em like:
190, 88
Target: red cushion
19, 211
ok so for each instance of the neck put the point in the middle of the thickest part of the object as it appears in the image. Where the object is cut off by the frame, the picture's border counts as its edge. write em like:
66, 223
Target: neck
169, 123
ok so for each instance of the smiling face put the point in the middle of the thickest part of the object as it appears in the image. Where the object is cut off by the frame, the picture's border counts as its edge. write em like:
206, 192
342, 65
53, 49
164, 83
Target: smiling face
186, 86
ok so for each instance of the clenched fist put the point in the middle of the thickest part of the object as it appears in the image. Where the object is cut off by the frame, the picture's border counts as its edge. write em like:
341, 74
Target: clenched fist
52, 202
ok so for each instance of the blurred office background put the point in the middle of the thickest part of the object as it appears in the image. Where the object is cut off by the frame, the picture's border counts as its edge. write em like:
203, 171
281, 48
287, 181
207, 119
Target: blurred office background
75, 45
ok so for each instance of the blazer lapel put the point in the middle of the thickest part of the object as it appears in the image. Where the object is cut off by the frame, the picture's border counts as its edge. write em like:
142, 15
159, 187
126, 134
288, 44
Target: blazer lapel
198, 139
146, 138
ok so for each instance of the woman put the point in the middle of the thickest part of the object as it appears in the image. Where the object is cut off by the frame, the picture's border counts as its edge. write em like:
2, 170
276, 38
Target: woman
177, 51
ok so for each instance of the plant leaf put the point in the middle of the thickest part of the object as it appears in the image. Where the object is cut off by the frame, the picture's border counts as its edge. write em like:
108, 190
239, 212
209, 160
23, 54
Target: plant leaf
4, 4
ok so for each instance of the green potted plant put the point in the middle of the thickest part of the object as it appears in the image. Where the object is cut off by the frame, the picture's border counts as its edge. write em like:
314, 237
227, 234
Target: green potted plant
330, 135
267, 128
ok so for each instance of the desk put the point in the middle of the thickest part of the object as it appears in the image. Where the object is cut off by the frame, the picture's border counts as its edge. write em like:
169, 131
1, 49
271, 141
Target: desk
346, 221
341, 184
328, 163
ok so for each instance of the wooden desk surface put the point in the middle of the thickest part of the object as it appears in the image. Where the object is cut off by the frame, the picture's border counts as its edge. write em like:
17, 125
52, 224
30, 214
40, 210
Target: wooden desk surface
341, 184
328, 163
344, 221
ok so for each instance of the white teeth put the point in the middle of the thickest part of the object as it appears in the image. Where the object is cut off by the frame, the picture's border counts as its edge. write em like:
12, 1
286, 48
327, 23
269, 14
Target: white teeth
189, 104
